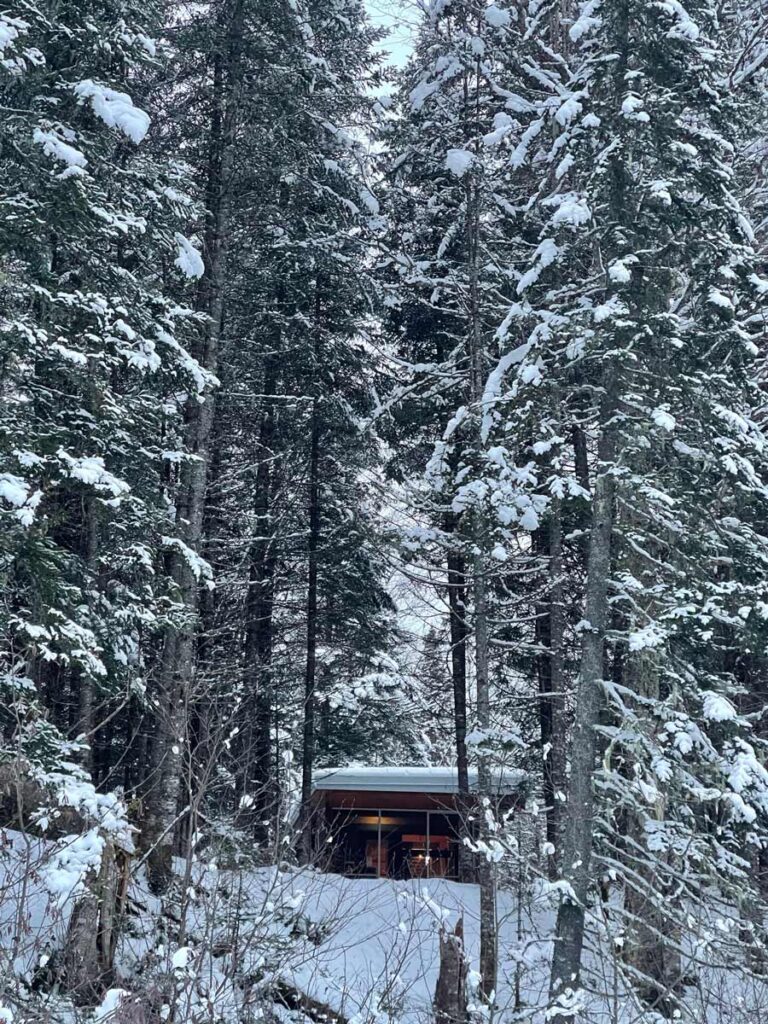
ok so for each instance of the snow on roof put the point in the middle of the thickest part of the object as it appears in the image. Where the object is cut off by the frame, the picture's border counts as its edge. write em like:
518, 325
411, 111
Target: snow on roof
403, 779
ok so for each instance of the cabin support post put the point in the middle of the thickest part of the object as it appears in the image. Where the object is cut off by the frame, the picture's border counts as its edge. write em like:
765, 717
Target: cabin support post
428, 851
378, 847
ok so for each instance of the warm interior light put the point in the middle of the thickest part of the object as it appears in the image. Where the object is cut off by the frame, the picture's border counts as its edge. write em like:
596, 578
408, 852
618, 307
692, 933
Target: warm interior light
373, 820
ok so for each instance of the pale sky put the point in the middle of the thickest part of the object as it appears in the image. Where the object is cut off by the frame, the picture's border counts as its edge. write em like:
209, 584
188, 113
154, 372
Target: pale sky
398, 17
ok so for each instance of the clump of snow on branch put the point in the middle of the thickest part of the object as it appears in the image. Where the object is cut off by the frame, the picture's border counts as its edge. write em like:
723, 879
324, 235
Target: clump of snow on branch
57, 148
496, 17
189, 261
115, 109
458, 161
718, 708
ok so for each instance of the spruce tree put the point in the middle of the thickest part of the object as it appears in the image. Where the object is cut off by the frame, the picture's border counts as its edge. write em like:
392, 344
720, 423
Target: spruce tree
637, 313
94, 363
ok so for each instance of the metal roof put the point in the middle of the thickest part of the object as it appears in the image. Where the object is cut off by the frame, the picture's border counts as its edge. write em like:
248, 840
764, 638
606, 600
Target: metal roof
407, 779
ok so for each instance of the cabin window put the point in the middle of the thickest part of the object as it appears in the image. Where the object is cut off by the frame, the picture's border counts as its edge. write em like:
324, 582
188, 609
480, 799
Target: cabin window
392, 844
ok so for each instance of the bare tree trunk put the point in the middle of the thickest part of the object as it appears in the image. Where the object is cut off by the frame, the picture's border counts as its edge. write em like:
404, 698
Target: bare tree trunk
85, 684
557, 758
486, 877
258, 782
310, 677
177, 663
578, 823
459, 634
459, 631
653, 934
550, 628
485, 871
89, 949
450, 1002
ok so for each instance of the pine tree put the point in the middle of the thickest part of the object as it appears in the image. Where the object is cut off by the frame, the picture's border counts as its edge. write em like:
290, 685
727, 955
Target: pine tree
450, 194
93, 363
637, 312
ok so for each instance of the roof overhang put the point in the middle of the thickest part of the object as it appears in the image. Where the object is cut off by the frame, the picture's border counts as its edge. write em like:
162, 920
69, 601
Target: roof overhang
412, 779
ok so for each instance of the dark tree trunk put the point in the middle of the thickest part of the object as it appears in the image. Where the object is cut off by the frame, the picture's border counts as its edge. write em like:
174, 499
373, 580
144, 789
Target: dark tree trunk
310, 676
258, 781
485, 870
550, 628
178, 657
450, 1002
579, 813
459, 636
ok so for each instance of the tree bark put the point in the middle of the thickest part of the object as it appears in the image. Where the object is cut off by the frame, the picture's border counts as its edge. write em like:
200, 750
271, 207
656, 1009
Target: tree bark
550, 629
258, 781
579, 824
450, 1002
177, 662
459, 635
310, 675
89, 948
85, 683
486, 877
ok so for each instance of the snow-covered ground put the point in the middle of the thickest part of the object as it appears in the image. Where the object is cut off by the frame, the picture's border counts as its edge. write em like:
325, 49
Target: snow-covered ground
367, 949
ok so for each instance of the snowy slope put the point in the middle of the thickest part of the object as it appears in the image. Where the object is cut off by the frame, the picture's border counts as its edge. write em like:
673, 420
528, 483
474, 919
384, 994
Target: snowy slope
366, 949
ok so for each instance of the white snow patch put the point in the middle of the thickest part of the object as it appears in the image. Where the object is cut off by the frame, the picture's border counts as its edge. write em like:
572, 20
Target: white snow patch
13, 489
545, 254
718, 708
180, 958
56, 147
632, 108
458, 161
10, 30
647, 638
189, 261
90, 470
493, 385
109, 1005
115, 109
718, 298
422, 92
685, 27
75, 858
587, 21
619, 271
568, 110
663, 418
496, 17
572, 210
16, 491
369, 200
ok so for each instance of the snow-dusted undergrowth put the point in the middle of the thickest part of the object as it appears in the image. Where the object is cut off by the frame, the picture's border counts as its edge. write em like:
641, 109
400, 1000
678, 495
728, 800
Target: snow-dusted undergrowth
237, 945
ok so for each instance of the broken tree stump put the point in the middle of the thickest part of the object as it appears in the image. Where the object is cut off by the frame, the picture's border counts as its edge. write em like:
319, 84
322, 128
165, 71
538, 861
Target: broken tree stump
450, 1002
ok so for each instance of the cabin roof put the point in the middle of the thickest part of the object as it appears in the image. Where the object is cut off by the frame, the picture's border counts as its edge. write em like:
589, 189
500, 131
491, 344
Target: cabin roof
411, 779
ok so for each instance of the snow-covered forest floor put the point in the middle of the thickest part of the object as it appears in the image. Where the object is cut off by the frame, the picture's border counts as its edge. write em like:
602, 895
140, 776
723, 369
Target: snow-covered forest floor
240, 944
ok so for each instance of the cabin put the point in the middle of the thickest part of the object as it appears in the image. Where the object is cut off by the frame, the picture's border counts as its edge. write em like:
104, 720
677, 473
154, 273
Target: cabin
399, 822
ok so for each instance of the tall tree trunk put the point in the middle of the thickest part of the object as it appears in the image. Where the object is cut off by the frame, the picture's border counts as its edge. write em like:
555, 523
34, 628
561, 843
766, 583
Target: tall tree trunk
459, 635
258, 782
177, 662
550, 629
85, 684
578, 817
310, 675
486, 873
